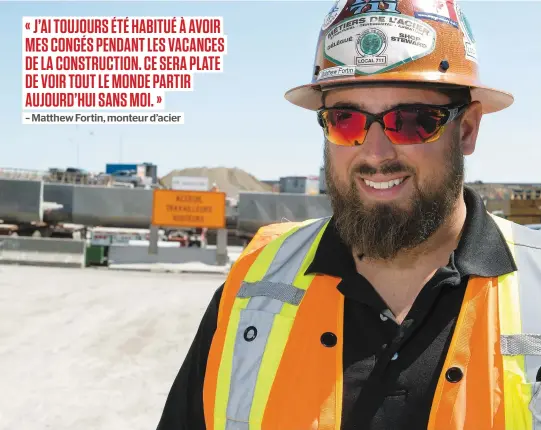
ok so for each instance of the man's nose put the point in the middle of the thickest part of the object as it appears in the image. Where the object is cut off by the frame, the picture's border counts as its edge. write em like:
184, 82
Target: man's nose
377, 148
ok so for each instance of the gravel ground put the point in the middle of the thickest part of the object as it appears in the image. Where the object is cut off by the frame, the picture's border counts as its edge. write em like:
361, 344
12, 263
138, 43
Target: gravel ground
93, 348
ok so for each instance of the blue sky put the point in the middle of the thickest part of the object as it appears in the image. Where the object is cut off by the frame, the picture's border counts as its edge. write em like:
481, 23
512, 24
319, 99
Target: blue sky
239, 118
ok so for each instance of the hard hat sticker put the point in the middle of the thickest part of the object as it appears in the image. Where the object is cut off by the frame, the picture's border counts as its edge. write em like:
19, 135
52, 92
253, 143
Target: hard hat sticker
437, 10
336, 72
469, 41
378, 42
339, 5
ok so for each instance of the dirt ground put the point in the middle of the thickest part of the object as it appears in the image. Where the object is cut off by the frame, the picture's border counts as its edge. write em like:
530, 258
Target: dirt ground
93, 348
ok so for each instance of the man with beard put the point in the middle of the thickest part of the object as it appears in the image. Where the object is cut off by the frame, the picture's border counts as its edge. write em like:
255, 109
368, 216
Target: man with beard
411, 307
384, 229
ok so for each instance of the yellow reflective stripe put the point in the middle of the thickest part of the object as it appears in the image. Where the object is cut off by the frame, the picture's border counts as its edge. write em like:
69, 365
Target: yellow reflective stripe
517, 393
226, 365
302, 281
265, 257
272, 356
509, 302
278, 339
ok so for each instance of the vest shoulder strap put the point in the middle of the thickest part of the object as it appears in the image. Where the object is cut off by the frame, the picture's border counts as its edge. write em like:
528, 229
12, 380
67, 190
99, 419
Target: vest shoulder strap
266, 234
517, 234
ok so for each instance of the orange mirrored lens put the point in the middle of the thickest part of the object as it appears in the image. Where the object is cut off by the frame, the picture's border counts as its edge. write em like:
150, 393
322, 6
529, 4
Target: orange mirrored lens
344, 128
407, 126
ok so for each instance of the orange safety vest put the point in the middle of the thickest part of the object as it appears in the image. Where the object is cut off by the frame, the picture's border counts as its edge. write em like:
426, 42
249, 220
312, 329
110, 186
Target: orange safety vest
267, 351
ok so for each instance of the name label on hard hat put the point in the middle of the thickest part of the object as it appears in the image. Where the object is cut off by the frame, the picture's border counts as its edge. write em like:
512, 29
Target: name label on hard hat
336, 72
378, 42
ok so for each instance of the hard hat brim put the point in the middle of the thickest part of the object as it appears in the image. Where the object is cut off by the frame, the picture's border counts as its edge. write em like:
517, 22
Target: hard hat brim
310, 96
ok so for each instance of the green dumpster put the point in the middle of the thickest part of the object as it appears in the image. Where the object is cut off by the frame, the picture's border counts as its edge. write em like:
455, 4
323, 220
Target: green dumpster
96, 255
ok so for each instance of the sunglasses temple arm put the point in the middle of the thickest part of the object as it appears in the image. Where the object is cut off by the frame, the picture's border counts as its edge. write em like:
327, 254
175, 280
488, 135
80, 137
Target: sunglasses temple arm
455, 113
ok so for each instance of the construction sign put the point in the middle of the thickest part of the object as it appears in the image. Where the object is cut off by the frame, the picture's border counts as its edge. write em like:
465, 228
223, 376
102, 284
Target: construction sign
196, 209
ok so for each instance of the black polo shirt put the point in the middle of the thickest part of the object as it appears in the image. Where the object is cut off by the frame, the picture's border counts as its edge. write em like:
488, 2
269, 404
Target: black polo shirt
390, 370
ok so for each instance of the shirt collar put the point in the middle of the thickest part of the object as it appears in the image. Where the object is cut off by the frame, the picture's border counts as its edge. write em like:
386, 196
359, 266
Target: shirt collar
481, 251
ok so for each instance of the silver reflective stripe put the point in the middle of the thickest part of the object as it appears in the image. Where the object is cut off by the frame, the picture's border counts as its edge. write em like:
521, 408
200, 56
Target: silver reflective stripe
266, 299
535, 405
521, 344
265, 304
236, 425
246, 362
288, 259
275, 290
528, 260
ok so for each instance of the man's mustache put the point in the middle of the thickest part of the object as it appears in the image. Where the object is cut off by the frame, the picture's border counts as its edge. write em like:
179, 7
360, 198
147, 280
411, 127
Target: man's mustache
387, 169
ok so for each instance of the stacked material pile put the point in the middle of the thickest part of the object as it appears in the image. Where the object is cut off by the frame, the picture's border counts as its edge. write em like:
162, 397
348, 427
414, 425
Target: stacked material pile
229, 180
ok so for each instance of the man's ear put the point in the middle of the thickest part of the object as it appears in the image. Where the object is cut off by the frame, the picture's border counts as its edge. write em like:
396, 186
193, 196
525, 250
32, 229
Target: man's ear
469, 127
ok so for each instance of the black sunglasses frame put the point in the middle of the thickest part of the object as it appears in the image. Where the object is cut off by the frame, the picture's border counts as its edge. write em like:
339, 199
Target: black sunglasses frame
450, 112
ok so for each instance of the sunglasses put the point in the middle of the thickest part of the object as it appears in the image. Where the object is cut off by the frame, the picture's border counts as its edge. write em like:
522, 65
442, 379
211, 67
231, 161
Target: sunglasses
403, 125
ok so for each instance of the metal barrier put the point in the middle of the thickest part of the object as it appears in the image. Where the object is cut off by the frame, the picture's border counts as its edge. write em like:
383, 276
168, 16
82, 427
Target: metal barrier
11, 173
57, 176
78, 178
32, 251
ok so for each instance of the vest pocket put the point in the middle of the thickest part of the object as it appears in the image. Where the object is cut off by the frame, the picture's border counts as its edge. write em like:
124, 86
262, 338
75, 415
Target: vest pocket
535, 403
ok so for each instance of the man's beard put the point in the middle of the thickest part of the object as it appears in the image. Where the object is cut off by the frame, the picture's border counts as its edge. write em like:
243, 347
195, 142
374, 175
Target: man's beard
383, 229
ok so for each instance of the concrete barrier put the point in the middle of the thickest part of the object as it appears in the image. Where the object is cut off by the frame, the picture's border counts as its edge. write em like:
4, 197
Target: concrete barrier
126, 254
63, 195
21, 200
259, 209
113, 207
31, 251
